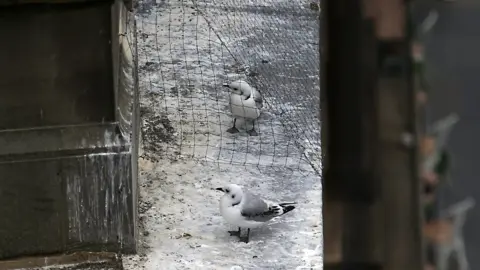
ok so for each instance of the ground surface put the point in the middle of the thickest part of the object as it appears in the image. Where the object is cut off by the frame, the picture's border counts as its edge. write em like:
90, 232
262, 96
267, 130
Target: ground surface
187, 49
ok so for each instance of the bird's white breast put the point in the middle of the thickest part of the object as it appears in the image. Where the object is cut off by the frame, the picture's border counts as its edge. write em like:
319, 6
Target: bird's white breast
243, 108
232, 214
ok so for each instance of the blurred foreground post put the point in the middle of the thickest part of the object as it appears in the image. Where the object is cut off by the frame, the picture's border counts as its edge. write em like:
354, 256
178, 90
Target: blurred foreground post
371, 192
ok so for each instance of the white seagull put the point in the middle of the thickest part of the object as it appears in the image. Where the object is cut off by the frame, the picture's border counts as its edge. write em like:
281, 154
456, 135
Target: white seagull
244, 209
245, 102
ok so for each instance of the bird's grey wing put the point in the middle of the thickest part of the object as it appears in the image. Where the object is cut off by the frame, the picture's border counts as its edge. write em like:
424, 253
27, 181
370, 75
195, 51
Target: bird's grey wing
259, 104
256, 209
258, 100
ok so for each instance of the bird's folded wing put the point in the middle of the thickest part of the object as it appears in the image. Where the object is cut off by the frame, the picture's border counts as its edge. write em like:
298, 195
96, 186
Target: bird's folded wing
262, 216
259, 104
254, 208
258, 99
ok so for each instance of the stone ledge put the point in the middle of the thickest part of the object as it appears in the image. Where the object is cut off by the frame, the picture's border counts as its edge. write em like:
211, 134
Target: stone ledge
38, 141
77, 260
20, 2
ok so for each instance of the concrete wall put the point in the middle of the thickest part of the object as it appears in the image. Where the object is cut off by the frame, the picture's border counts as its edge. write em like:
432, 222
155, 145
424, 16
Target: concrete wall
68, 128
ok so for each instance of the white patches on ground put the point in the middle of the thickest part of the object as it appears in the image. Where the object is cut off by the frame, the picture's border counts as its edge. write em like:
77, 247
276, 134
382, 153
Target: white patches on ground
186, 153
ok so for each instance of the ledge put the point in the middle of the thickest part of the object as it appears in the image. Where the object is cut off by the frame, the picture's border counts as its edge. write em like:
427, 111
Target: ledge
3, 3
20, 2
50, 142
81, 260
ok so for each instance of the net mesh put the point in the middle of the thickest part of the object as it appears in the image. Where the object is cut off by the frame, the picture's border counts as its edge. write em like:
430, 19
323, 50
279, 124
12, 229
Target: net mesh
188, 49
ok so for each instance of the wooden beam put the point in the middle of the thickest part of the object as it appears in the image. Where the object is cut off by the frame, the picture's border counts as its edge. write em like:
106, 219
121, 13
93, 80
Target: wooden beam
4, 3
349, 97
54, 165
351, 190
398, 163
389, 16
371, 191
128, 3
400, 185
103, 259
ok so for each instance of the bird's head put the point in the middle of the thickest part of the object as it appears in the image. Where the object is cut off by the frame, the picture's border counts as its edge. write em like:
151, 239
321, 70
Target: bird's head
232, 192
240, 87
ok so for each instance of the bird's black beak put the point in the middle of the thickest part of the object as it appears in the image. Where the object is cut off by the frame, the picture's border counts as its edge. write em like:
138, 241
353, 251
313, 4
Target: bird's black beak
220, 189
226, 85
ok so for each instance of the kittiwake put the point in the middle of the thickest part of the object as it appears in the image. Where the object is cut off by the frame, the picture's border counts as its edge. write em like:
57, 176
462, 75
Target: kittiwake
244, 209
245, 102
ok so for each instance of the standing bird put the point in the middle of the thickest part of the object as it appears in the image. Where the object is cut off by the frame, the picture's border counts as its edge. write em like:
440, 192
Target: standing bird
244, 209
245, 102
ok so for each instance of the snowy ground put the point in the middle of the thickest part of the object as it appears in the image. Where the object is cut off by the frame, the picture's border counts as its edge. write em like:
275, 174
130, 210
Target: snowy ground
187, 49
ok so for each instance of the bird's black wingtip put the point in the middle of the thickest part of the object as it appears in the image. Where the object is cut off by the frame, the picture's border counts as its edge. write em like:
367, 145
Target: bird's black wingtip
225, 85
288, 208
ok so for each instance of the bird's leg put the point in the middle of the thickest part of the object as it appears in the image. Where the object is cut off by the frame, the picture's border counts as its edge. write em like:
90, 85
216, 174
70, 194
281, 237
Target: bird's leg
235, 233
252, 131
234, 128
245, 239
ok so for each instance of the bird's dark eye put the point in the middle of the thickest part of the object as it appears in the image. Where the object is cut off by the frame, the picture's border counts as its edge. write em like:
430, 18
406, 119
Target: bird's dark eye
233, 196
234, 88
227, 190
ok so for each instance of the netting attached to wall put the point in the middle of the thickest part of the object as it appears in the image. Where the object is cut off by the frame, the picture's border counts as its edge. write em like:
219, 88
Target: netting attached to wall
188, 49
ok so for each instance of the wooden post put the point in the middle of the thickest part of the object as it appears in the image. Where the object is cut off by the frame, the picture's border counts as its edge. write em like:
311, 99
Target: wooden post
371, 191
351, 187
398, 163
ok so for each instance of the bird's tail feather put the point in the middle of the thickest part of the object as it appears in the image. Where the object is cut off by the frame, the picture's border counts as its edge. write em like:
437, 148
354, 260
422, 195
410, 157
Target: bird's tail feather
287, 203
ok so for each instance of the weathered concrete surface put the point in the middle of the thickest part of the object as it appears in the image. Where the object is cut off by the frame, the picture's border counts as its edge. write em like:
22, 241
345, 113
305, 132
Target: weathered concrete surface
61, 197
68, 134
74, 261
453, 70
34, 78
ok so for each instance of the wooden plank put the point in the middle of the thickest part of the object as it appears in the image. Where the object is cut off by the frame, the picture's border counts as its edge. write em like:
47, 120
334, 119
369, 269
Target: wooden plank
332, 232
389, 16
21, 2
363, 241
126, 87
400, 186
92, 258
349, 175
376, 232
62, 183
398, 163
64, 79
128, 3
351, 186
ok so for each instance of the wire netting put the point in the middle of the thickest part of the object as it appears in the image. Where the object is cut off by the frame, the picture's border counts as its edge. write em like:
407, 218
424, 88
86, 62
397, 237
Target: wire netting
188, 49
